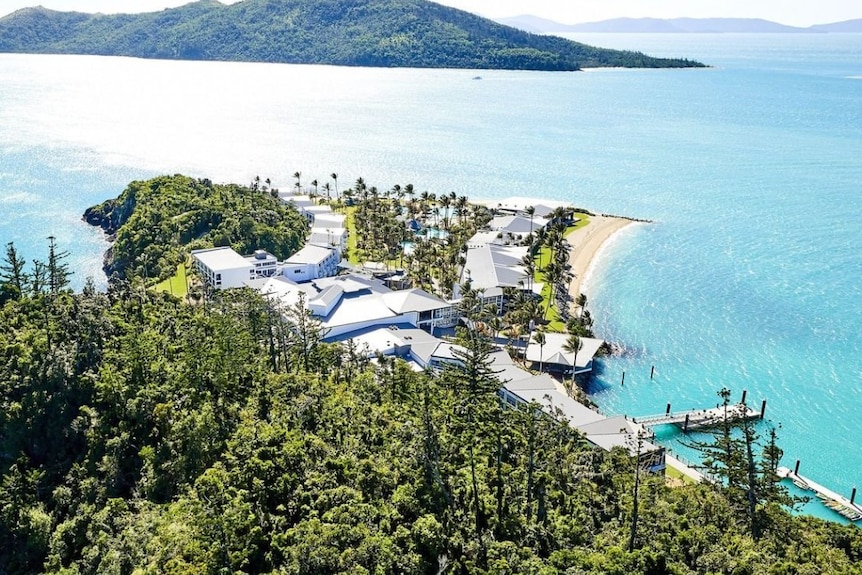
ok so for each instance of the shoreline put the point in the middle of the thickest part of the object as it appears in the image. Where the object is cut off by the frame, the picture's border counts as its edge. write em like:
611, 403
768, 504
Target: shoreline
587, 242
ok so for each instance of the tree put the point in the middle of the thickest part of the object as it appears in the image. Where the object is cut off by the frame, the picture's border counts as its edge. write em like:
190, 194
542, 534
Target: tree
58, 269
475, 385
307, 329
540, 340
573, 345
12, 271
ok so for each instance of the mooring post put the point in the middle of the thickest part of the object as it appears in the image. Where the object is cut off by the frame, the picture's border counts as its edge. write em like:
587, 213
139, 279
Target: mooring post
796, 469
744, 393
667, 411
853, 497
624, 379
651, 372
685, 427
762, 409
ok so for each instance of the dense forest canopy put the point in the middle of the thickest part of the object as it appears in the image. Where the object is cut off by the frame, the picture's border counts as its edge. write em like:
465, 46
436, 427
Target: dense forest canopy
155, 223
139, 433
411, 33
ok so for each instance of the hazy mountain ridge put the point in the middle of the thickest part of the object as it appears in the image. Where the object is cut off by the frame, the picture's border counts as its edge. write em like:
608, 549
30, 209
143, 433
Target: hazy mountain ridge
385, 33
539, 25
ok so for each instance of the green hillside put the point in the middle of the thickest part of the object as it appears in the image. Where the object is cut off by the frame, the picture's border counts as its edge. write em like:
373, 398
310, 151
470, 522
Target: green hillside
155, 223
387, 33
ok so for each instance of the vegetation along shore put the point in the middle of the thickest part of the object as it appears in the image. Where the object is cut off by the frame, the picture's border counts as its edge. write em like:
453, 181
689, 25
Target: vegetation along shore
380, 33
338, 378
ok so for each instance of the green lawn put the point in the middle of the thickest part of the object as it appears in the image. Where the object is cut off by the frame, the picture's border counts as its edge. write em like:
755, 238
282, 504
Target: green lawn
542, 258
176, 284
675, 474
352, 252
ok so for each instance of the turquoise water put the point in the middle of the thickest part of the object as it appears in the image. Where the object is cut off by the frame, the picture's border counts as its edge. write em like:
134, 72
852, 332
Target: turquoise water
751, 172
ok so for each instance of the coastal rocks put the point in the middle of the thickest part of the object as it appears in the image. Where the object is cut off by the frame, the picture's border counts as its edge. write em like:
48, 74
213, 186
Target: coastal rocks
110, 214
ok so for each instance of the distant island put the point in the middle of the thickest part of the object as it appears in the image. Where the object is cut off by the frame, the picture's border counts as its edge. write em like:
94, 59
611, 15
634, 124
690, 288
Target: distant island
537, 25
380, 33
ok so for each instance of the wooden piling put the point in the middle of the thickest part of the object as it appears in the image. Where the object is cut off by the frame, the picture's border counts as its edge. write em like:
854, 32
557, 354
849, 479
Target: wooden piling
762, 409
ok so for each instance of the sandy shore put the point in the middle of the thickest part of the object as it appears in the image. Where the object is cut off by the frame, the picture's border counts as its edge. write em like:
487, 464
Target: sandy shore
586, 242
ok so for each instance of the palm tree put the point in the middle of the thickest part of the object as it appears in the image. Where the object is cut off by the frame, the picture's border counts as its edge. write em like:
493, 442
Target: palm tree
297, 185
581, 302
530, 268
314, 183
334, 176
530, 211
327, 188
572, 345
540, 340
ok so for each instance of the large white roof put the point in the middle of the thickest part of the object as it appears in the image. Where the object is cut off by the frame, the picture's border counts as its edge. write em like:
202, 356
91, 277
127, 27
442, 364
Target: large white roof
558, 404
415, 299
493, 266
553, 351
223, 258
515, 224
309, 254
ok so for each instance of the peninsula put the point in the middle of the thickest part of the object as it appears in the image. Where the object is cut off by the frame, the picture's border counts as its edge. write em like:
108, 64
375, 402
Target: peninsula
380, 33
327, 425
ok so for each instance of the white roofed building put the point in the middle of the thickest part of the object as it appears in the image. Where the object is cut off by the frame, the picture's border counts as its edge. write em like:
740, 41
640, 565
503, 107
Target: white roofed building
222, 268
553, 356
492, 268
422, 309
333, 238
311, 262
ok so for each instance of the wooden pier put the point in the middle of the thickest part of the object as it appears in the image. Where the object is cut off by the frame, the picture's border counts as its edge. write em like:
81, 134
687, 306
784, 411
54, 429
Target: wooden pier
837, 503
700, 418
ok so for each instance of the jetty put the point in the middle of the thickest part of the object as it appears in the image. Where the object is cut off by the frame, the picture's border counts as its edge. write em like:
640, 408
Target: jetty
847, 508
701, 418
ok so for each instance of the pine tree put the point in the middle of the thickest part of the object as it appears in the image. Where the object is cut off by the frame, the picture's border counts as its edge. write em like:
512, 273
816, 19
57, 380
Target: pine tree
12, 272
58, 269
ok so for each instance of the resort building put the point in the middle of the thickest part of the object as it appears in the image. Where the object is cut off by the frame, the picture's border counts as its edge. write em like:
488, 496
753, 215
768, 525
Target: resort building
223, 268
514, 228
265, 264
311, 262
333, 238
492, 268
554, 357
422, 309
300, 202
423, 351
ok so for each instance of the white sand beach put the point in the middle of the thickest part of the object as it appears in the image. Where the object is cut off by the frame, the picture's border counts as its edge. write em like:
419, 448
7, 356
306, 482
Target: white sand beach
586, 243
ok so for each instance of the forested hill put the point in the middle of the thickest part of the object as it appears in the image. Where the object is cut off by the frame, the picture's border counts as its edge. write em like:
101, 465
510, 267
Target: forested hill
386, 33
155, 223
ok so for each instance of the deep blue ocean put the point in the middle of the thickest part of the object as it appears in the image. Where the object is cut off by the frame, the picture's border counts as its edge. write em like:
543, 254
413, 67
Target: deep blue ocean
751, 172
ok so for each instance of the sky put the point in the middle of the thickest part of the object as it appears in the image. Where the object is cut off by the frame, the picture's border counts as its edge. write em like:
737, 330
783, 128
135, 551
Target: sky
790, 12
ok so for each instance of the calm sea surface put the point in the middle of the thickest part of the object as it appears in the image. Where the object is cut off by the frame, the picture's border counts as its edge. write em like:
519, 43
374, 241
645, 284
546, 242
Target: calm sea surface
750, 276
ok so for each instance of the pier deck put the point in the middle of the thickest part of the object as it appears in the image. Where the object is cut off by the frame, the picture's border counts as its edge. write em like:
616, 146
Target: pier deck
699, 418
830, 499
